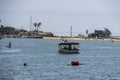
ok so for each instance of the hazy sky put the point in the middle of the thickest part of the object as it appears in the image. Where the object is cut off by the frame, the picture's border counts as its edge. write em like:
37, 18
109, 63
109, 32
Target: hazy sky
58, 15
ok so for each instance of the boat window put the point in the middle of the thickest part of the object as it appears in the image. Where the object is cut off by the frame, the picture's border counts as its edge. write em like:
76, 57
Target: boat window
69, 46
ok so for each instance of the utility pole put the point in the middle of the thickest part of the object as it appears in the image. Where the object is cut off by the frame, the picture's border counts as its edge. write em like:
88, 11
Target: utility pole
0, 22
86, 33
71, 31
30, 23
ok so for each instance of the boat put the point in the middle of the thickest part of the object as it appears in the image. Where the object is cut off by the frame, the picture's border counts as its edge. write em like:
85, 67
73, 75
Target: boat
68, 47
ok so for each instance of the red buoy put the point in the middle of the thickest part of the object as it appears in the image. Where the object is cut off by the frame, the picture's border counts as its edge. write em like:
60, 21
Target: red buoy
75, 63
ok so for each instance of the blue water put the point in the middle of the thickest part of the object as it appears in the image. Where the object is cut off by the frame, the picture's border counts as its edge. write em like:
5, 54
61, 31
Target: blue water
100, 60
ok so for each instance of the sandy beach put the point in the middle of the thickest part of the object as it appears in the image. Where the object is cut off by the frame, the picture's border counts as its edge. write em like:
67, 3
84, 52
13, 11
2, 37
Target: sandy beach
79, 38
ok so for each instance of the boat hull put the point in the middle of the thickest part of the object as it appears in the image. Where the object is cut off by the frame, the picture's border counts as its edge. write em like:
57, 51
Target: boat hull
68, 51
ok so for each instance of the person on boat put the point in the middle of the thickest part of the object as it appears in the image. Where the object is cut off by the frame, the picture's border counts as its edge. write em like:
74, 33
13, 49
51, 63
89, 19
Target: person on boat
69, 48
65, 47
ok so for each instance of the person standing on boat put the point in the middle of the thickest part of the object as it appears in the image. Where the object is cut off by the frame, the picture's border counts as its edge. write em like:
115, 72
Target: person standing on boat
9, 46
69, 48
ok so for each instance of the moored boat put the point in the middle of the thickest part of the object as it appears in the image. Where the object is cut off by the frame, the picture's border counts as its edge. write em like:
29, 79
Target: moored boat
68, 47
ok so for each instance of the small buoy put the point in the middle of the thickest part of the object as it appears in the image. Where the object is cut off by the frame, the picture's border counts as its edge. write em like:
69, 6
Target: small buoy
112, 41
25, 64
75, 63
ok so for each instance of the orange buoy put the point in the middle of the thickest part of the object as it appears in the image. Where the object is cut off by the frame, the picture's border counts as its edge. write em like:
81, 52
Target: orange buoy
75, 63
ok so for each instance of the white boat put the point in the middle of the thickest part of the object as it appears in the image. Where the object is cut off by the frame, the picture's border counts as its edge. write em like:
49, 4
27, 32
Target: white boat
68, 47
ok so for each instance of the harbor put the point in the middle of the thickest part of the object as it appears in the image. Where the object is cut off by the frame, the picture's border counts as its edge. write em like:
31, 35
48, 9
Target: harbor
59, 39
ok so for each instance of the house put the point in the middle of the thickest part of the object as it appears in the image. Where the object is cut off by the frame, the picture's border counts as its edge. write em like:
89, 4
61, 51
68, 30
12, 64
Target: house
6, 30
100, 34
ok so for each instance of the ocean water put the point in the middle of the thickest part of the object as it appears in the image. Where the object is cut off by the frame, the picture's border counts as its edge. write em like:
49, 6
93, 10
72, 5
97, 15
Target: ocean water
100, 60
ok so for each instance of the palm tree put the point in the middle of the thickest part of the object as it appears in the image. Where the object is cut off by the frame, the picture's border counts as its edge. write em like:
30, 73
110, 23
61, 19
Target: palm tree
35, 24
38, 25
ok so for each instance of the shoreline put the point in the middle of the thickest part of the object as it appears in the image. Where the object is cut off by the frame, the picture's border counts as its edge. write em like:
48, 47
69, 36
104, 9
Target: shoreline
79, 38
75, 38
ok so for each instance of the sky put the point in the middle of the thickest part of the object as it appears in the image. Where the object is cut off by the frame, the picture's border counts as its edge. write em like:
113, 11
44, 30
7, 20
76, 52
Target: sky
57, 16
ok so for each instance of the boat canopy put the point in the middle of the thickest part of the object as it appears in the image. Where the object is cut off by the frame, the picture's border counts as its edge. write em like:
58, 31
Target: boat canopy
69, 43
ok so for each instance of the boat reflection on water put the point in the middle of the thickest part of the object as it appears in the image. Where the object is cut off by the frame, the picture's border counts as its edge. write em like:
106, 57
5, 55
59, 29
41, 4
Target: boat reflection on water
68, 47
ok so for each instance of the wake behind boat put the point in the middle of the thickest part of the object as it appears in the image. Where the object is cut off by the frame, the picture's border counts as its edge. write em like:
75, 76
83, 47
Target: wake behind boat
68, 47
